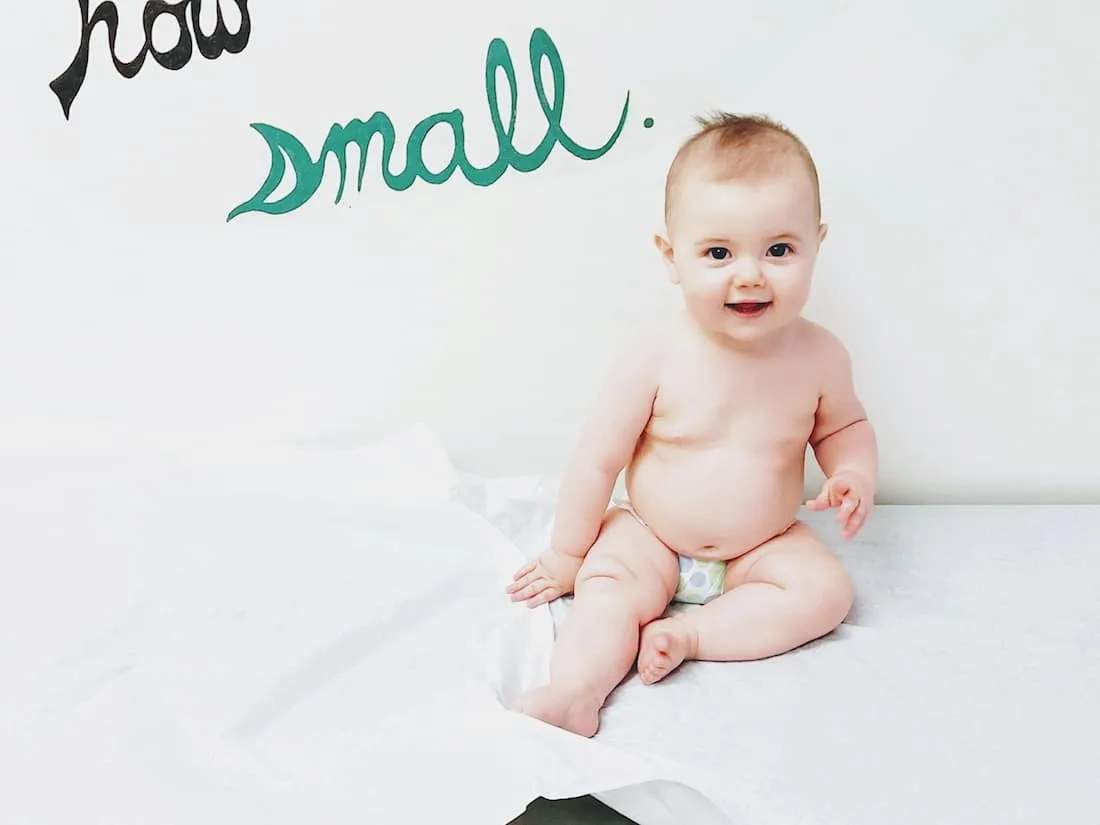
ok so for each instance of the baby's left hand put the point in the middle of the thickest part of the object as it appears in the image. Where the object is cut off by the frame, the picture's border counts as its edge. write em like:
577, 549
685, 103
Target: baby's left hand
852, 494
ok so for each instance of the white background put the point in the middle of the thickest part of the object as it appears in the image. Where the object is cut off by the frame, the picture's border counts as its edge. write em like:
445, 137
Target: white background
957, 144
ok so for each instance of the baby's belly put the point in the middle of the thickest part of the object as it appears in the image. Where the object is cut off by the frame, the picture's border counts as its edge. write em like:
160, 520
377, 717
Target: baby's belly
715, 503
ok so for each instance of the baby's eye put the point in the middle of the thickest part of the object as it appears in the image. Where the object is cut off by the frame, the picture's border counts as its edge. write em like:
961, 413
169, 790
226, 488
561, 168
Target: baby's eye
779, 250
718, 253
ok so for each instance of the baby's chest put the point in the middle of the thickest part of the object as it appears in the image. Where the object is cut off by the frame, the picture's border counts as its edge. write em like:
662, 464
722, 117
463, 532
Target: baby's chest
776, 408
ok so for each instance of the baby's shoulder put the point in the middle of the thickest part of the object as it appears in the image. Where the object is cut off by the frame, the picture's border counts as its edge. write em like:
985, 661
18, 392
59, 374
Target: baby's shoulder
819, 343
642, 353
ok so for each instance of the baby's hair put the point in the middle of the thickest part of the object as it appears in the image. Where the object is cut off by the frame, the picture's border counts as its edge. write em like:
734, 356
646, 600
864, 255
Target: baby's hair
739, 146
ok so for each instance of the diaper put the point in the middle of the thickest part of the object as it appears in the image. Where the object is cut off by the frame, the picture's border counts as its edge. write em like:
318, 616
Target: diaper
700, 581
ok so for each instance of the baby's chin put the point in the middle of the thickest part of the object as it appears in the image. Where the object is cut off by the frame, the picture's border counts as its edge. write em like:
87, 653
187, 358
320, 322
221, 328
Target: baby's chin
749, 325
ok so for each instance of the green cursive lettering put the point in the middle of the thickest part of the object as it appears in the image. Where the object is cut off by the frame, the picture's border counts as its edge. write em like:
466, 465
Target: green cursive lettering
309, 173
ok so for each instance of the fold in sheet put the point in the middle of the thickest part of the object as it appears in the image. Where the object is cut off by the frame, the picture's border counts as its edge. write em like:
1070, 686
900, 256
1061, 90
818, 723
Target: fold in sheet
322, 637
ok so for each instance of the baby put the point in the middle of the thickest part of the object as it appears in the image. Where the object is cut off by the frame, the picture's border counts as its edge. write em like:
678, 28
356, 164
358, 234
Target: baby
711, 416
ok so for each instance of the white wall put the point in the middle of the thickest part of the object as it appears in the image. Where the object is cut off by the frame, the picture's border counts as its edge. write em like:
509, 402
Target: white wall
957, 145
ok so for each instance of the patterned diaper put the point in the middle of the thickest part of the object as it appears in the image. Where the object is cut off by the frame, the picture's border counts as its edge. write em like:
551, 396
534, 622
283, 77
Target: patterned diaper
700, 581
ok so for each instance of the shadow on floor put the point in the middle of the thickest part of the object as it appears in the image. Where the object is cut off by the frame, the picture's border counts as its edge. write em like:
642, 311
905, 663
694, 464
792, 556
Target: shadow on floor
581, 811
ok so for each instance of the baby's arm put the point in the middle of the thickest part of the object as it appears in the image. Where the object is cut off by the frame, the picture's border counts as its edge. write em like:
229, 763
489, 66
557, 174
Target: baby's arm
843, 439
606, 444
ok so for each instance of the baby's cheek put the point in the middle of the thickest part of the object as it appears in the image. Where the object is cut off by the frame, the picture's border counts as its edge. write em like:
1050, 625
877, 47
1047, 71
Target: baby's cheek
702, 289
793, 286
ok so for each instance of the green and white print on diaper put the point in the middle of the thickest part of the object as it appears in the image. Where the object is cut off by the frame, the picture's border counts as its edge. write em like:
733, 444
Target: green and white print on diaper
700, 581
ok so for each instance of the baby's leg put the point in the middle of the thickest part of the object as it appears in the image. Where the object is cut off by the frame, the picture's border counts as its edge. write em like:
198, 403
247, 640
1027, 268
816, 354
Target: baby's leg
779, 596
627, 579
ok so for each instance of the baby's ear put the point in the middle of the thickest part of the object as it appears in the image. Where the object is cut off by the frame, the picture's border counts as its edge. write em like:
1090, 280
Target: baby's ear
822, 231
668, 255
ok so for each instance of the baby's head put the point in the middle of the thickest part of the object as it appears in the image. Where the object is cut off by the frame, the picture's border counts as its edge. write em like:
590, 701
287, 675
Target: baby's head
743, 224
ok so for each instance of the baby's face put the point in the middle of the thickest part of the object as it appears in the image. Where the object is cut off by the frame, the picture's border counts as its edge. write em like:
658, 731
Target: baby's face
743, 252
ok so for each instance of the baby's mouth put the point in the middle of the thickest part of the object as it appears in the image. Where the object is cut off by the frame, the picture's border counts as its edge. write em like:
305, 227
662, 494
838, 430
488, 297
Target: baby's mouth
749, 309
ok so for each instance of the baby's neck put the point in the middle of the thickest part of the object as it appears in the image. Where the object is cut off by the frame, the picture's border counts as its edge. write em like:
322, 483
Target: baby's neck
765, 346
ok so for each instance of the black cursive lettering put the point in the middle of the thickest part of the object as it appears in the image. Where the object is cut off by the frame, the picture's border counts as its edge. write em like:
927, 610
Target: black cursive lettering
211, 46
68, 84
177, 56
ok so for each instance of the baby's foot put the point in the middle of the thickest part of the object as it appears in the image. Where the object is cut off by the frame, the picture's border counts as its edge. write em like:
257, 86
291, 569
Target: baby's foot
664, 645
575, 712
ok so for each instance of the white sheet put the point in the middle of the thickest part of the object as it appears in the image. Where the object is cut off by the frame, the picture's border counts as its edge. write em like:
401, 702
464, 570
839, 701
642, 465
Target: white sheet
321, 637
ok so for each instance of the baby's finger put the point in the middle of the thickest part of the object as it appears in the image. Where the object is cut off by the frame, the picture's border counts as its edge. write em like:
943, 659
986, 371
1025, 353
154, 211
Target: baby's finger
527, 568
522, 581
547, 595
847, 507
856, 521
530, 590
822, 500
838, 493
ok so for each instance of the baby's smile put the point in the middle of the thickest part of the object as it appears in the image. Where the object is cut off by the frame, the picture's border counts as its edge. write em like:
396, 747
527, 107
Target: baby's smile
749, 309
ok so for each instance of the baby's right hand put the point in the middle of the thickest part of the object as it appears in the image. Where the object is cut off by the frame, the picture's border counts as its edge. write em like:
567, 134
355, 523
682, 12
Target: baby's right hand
545, 578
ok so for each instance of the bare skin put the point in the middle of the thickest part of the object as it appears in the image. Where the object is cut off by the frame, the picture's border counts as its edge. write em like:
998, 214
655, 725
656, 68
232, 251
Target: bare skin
627, 580
711, 418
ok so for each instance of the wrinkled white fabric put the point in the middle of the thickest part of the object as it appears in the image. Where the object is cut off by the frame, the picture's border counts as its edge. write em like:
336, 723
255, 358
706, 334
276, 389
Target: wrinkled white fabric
302, 636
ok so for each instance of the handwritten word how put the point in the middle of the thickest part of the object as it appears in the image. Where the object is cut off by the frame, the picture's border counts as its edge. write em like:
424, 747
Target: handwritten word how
309, 172
67, 85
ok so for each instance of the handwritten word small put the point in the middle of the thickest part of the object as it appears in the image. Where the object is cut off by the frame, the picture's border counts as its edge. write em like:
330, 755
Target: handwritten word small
67, 85
309, 172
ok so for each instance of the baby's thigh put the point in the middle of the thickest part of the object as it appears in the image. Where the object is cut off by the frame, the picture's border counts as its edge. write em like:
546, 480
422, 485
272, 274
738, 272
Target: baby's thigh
800, 563
630, 561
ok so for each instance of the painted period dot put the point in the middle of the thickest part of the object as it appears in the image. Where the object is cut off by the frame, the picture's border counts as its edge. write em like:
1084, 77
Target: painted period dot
648, 123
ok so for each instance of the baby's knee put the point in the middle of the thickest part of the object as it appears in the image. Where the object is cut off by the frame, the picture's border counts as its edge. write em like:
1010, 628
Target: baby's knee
607, 576
604, 572
830, 594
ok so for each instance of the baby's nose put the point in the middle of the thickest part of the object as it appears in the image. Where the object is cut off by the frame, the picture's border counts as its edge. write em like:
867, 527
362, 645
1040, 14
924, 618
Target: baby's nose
748, 273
